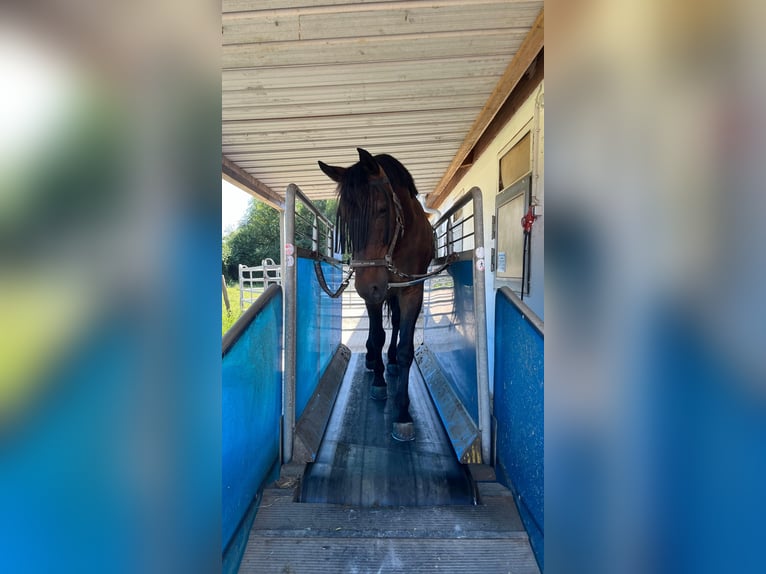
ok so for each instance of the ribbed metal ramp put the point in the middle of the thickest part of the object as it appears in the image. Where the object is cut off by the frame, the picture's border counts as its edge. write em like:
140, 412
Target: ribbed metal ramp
331, 538
360, 464
386, 506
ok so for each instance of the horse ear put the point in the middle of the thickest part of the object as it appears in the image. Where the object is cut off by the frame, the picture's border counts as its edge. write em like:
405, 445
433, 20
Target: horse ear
368, 162
335, 173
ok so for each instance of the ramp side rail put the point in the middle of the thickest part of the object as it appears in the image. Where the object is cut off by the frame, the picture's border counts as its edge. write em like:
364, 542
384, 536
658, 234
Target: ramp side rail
306, 236
459, 234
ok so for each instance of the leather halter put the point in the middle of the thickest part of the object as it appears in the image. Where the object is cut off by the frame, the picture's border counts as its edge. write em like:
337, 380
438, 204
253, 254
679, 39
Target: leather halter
387, 261
381, 182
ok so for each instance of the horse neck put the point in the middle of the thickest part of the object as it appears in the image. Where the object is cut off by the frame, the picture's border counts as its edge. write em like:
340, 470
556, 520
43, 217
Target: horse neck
409, 209
417, 229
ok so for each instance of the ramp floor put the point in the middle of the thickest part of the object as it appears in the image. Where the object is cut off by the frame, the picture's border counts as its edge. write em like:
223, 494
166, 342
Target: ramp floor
379, 505
360, 464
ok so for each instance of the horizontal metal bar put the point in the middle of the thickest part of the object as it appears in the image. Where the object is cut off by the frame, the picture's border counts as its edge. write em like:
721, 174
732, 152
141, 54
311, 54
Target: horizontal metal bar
462, 221
306, 218
309, 254
461, 256
464, 199
311, 207
466, 236
442, 235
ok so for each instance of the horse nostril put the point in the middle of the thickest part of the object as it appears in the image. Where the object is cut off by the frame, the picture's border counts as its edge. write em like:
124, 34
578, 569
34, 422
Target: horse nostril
375, 293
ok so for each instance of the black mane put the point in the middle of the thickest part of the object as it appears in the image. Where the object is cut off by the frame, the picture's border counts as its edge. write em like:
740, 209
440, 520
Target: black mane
355, 199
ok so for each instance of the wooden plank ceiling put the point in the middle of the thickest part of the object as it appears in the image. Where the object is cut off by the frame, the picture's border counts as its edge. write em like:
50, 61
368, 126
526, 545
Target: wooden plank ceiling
305, 80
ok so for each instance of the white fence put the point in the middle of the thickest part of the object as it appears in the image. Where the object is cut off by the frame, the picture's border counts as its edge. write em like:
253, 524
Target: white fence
254, 280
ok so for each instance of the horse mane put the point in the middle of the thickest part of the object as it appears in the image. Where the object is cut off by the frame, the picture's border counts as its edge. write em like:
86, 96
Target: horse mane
355, 201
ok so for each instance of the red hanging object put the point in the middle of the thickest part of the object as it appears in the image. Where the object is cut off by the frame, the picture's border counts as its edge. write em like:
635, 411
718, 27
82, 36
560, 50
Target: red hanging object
528, 220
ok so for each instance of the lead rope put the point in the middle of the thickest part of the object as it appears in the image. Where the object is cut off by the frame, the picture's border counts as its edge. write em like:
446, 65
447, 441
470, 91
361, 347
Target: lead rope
415, 279
323, 283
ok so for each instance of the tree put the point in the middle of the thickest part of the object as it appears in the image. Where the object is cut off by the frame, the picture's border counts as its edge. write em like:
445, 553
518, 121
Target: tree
257, 236
304, 222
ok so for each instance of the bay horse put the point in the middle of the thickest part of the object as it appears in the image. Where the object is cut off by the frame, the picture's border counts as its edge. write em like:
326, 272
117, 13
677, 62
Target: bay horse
384, 227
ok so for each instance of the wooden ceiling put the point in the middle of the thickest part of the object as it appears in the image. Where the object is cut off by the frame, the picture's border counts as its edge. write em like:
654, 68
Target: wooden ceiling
305, 80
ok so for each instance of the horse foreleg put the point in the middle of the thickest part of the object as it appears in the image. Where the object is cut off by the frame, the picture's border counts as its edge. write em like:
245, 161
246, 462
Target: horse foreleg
392, 367
410, 305
374, 358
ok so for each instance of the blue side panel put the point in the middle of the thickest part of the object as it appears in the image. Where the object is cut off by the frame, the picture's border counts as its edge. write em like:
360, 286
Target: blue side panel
450, 331
251, 409
519, 402
319, 321
65, 503
708, 431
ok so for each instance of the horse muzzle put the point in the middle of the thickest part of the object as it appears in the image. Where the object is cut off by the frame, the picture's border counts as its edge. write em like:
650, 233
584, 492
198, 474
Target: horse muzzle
372, 284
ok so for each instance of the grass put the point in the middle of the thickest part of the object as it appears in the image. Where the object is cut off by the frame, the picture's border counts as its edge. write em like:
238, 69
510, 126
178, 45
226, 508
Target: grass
229, 318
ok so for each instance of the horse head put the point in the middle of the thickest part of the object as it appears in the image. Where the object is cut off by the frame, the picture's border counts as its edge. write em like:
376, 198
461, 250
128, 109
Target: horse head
368, 222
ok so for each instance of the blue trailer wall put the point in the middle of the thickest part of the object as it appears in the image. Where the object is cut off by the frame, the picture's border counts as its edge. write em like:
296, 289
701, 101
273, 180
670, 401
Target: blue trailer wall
251, 411
318, 331
518, 408
450, 330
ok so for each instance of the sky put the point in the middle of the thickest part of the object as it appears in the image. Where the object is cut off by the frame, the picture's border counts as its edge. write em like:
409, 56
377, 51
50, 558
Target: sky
234, 204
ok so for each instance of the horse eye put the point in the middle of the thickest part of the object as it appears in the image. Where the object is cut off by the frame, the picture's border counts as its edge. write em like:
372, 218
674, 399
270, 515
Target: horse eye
382, 211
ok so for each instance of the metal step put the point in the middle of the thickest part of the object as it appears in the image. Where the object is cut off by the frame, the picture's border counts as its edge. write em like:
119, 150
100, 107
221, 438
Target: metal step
293, 537
389, 555
279, 515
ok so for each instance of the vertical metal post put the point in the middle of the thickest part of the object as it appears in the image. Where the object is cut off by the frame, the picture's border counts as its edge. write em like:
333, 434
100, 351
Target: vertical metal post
241, 286
315, 234
225, 294
480, 311
289, 285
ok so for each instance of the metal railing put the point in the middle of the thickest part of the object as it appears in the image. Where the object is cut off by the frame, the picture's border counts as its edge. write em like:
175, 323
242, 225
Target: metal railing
462, 238
452, 234
318, 245
322, 229
254, 280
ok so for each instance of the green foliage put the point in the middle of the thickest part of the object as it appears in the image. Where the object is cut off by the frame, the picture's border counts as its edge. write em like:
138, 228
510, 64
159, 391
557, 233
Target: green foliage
304, 222
257, 236
228, 318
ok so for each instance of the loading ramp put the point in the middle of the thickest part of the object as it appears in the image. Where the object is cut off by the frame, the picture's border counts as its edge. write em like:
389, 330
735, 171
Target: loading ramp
372, 504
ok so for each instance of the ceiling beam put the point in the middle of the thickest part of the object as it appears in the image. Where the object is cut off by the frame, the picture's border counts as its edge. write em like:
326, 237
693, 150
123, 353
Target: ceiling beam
235, 175
520, 63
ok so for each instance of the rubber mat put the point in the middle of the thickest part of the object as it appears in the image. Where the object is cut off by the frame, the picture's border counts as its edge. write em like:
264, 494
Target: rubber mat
360, 464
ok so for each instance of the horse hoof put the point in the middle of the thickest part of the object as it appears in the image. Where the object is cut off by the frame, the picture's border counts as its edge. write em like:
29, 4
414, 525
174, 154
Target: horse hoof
392, 369
378, 393
403, 432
